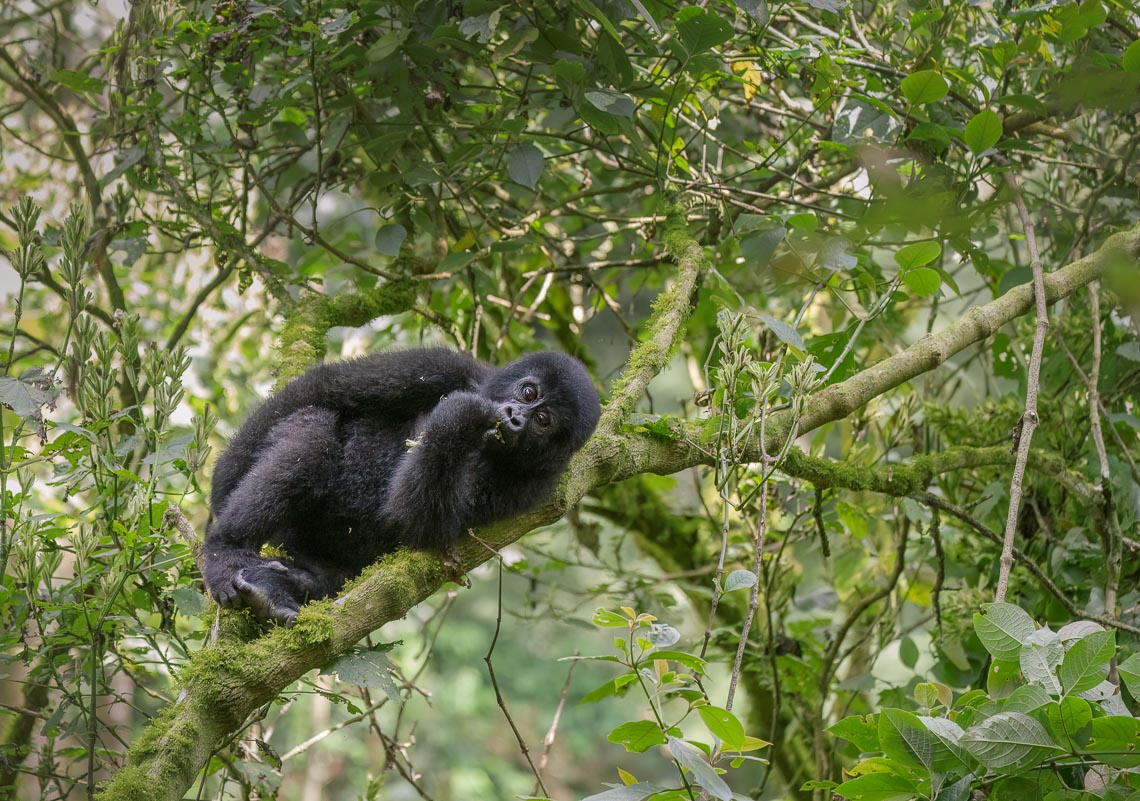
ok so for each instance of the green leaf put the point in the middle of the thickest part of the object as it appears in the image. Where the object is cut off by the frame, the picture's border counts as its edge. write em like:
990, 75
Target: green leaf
1003, 679
366, 668
611, 102
1027, 102
612, 687
920, 19
386, 45
389, 238
1069, 721
947, 753
631, 792
1041, 655
694, 663
758, 248
860, 730
699, 771
877, 787
637, 736
77, 81
1130, 60
903, 738
784, 332
526, 165
1003, 628
739, 579
1115, 741
923, 281
983, 131
1086, 662
925, 86
1129, 671
1026, 698
595, 12
609, 620
804, 221
702, 30
645, 15
1008, 742
916, 254
724, 725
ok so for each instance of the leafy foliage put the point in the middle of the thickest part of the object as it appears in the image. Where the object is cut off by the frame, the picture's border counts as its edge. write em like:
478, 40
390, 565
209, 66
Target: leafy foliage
1028, 742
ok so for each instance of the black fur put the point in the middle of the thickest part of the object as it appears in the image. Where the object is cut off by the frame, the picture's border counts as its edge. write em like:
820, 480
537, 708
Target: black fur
352, 460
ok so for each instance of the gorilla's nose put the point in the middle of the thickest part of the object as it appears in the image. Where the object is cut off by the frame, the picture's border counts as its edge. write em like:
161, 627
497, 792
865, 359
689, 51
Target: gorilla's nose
513, 417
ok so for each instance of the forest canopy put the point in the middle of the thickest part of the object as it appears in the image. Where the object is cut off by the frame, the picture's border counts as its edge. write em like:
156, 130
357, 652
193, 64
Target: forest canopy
858, 283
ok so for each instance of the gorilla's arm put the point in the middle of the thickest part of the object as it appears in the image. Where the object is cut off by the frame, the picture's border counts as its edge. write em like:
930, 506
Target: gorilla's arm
396, 384
437, 483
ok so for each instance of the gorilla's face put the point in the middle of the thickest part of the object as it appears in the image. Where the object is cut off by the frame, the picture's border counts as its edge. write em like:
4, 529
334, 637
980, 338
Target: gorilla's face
548, 408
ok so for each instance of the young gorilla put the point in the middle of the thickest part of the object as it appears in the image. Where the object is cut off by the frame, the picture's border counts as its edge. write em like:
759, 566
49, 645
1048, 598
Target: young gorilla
352, 460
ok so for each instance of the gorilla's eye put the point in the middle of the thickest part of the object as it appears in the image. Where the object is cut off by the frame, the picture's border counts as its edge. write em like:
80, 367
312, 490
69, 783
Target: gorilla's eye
529, 393
542, 417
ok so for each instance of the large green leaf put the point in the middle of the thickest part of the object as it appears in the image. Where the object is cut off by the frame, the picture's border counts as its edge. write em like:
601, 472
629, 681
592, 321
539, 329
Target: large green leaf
701, 30
983, 131
724, 725
1003, 629
1129, 671
924, 86
1008, 742
637, 736
1087, 661
878, 787
903, 738
525, 166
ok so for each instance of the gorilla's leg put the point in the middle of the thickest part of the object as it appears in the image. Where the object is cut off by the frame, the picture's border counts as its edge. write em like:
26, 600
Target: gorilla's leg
293, 469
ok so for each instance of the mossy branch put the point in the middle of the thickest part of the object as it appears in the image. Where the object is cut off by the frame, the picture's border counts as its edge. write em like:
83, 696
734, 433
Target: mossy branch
303, 338
225, 683
670, 312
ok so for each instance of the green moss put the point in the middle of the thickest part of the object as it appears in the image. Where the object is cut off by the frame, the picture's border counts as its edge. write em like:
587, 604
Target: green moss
211, 670
170, 733
132, 783
174, 732
302, 339
314, 626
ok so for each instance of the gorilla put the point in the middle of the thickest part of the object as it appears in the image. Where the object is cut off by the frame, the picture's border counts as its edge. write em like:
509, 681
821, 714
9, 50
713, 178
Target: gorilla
351, 460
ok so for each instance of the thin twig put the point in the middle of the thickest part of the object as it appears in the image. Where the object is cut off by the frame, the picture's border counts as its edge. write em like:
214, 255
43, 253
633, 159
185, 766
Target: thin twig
1029, 418
498, 693
1112, 534
548, 741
